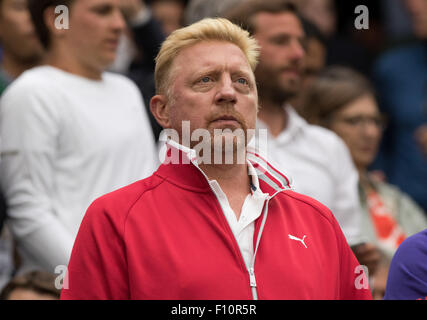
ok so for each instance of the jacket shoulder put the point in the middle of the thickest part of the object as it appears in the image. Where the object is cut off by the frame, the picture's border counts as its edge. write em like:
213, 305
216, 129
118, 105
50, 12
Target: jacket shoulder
307, 204
118, 203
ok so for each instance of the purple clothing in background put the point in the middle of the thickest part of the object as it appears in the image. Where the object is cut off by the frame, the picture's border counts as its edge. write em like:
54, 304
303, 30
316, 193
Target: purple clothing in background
407, 278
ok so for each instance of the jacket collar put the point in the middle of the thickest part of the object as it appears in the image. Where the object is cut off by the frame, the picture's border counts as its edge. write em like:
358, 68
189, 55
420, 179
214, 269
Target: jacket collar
180, 168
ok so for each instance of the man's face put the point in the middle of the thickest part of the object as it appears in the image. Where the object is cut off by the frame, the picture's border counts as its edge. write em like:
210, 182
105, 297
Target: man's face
418, 11
17, 34
216, 90
281, 37
94, 33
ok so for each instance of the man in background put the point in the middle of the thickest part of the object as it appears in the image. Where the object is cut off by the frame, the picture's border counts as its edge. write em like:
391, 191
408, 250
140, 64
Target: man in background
21, 47
70, 131
316, 159
21, 50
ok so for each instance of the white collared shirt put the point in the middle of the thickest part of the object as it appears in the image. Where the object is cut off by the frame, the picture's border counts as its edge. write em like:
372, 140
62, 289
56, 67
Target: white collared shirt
321, 167
244, 228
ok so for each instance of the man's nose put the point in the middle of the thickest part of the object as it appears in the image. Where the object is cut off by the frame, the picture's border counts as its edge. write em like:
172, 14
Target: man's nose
372, 130
297, 51
226, 92
118, 22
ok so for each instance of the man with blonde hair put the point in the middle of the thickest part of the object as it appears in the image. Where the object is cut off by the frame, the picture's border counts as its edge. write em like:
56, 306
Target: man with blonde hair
202, 230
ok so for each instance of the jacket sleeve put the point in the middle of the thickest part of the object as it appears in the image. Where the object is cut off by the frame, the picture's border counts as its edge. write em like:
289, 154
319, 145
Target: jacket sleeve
407, 277
354, 283
97, 268
28, 131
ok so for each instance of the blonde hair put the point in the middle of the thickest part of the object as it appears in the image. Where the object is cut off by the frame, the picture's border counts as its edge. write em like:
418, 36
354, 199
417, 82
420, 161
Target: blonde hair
209, 29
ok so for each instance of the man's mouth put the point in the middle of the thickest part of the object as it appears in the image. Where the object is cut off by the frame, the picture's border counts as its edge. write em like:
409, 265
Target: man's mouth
293, 71
226, 120
112, 43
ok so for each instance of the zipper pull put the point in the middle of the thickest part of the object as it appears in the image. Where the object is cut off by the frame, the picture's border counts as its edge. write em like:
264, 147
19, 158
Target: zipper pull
252, 277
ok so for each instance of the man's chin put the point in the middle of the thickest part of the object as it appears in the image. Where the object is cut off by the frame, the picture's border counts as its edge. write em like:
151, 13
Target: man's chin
228, 142
287, 92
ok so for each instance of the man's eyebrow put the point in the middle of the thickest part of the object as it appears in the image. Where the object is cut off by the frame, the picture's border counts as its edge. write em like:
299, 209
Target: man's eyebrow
242, 73
207, 71
285, 35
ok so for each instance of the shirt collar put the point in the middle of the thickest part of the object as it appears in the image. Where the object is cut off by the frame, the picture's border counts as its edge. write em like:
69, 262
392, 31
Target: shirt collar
181, 168
295, 125
191, 156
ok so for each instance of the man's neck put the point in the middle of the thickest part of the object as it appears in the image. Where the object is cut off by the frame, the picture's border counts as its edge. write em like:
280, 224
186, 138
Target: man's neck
229, 176
274, 116
233, 180
58, 58
15, 68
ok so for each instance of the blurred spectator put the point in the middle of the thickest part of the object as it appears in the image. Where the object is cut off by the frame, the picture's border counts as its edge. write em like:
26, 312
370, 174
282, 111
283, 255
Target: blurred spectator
315, 53
346, 45
397, 22
34, 285
407, 279
418, 12
2, 211
198, 9
83, 132
170, 14
343, 100
314, 59
126, 54
321, 13
401, 80
6, 244
144, 36
21, 48
316, 159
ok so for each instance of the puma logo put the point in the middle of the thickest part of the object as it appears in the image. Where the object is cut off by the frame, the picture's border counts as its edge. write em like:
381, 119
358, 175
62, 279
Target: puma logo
298, 239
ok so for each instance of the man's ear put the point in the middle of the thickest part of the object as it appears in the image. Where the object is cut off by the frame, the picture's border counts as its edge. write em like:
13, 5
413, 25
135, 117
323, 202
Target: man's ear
160, 109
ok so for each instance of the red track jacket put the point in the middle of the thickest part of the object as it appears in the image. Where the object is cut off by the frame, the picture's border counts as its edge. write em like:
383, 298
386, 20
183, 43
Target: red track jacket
166, 237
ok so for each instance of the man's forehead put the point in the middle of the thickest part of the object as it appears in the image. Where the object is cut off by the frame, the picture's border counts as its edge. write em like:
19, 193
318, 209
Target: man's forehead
208, 54
285, 22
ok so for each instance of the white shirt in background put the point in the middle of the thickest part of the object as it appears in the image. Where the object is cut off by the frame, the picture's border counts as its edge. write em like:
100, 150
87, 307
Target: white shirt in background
67, 140
321, 167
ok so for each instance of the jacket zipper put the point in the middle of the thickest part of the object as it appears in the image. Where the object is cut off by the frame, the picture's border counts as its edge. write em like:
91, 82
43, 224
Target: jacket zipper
251, 270
252, 277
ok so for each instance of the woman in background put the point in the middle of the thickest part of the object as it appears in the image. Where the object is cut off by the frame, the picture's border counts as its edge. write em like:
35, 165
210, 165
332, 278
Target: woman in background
343, 101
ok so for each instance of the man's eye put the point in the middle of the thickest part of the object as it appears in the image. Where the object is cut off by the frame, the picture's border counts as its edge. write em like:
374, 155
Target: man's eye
280, 41
243, 81
102, 10
205, 79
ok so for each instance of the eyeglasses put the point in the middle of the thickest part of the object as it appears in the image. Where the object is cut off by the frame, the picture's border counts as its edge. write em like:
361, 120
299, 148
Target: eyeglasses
362, 121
